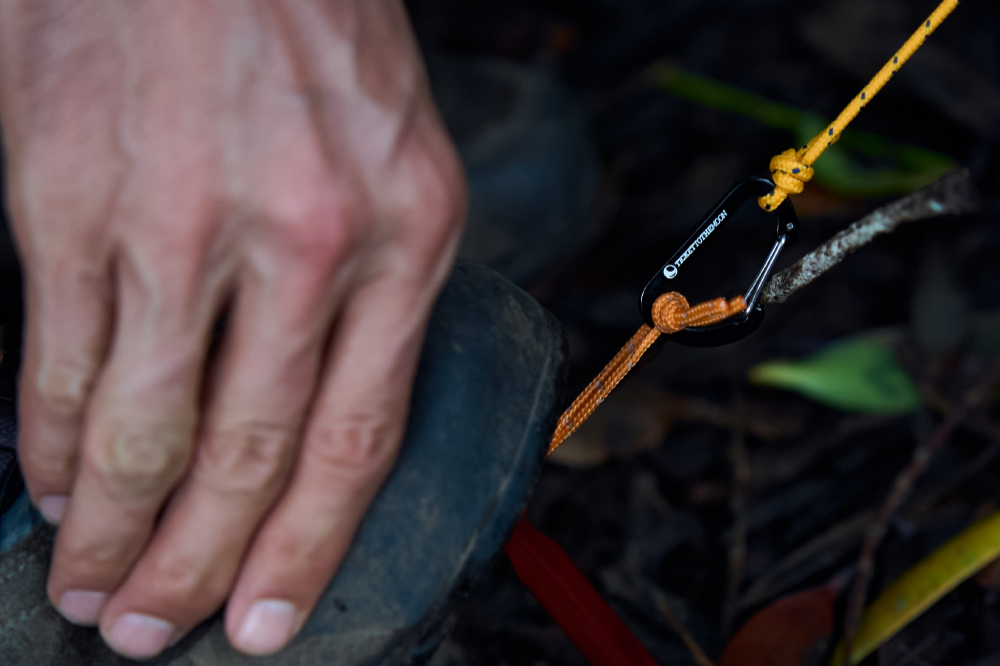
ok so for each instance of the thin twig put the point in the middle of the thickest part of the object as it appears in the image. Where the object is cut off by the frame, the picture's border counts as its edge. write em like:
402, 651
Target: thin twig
912, 655
823, 551
814, 556
954, 194
692, 645
739, 462
922, 455
772, 469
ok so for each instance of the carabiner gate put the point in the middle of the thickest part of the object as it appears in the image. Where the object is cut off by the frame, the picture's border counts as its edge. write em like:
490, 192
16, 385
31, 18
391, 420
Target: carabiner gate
742, 325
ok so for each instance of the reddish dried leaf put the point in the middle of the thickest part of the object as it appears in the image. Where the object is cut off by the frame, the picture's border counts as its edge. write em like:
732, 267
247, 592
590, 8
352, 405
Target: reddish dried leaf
792, 631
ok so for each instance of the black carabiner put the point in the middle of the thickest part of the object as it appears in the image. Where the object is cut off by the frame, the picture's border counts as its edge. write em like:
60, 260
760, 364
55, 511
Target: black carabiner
737, 327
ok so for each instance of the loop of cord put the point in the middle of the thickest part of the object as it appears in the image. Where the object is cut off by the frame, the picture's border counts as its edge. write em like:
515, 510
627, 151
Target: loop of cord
671, 313
793, 168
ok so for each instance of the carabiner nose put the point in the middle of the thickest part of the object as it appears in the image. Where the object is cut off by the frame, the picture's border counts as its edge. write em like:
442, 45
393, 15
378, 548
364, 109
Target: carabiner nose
740, 326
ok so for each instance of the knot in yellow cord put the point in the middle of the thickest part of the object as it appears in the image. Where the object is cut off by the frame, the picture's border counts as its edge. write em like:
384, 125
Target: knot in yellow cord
790, 174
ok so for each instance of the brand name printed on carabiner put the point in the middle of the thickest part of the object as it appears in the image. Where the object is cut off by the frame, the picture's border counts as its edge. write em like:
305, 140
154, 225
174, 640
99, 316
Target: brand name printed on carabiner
670, 270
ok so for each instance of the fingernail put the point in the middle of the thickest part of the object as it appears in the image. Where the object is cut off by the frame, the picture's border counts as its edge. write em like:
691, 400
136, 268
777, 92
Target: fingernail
82, 607
52, 507
267, 627
139, 636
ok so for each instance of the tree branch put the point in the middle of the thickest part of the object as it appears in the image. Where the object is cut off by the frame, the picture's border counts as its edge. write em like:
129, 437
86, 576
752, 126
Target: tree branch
954, 194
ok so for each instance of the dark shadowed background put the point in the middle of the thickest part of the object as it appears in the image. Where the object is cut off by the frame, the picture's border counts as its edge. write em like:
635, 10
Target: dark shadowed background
596, 134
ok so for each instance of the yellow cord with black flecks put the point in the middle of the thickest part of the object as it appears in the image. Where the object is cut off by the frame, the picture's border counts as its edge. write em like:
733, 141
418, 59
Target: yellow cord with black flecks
793, 168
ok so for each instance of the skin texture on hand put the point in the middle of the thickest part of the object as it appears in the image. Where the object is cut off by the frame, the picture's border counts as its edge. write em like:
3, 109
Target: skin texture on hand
277, 162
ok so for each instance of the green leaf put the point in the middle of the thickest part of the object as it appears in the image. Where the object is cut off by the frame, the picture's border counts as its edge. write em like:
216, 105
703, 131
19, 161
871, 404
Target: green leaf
905, 168
861, 164
855, 374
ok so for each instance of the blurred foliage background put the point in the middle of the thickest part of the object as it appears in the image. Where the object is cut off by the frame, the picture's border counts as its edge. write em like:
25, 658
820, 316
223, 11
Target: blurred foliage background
596, 134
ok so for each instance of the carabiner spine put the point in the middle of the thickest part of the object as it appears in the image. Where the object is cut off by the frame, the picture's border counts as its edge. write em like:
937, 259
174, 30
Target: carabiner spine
739, 326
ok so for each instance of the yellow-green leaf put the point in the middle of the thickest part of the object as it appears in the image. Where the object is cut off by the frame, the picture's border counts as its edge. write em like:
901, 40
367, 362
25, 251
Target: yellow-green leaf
855, 374
926, 582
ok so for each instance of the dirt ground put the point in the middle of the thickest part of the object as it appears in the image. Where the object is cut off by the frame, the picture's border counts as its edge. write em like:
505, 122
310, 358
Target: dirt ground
693, 485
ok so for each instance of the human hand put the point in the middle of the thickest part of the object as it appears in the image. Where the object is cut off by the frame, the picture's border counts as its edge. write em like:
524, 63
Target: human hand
280, 162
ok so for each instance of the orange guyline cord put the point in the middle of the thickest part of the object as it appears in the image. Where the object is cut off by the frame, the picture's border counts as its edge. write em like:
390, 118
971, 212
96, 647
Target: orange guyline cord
790, 171
671, 313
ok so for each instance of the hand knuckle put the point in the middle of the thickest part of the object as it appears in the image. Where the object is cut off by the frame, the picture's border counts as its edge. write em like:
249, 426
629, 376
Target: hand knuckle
143, 463
47, 463
185, 584
436, 213
63, 387
95, 554
307, 556
360, 445
447, 197
250, 459
320, 227
441, 191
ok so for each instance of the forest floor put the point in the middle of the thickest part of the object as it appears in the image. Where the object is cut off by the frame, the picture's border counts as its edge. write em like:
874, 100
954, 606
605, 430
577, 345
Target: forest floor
693, 487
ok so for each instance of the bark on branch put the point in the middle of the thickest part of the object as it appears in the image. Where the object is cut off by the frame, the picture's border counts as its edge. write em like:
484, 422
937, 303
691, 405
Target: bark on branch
954, 194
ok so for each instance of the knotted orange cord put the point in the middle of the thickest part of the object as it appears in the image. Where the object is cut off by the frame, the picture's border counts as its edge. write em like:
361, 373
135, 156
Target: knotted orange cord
671, 313
792, 169
540, 563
